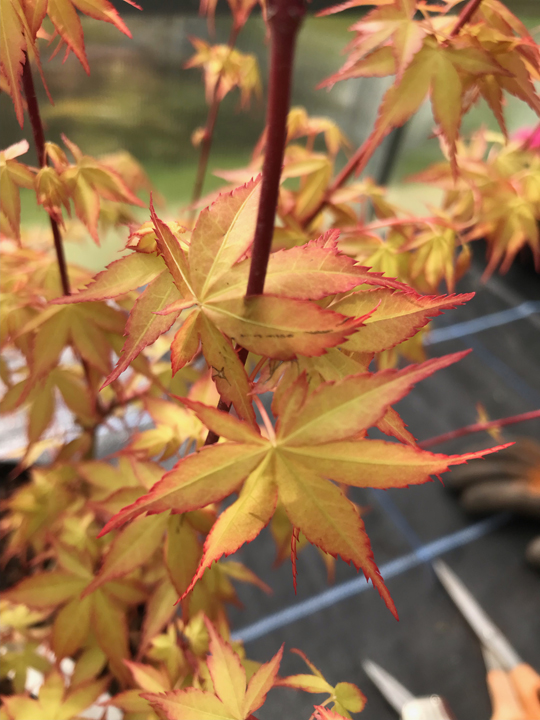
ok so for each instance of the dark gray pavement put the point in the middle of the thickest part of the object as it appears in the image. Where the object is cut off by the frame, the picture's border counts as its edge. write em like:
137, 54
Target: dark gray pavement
431, 649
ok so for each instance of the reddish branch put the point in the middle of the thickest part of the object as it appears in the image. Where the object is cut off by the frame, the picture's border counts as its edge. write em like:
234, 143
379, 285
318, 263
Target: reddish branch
340, 179
465, 15
206, 143
284, 19
356, 162
39, 141
478, 427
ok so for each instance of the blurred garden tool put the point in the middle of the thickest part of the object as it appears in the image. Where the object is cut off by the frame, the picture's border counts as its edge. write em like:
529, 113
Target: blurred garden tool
409, 707
502, 661
504, 701
508, 480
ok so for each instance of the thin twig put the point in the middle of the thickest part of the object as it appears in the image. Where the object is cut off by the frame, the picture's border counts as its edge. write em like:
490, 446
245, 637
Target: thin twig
206, 143
39, 141
478, 427
465, 15
258, 367
284, 18
358, 162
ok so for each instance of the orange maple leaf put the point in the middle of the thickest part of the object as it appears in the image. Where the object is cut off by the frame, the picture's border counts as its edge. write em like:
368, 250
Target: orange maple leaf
232, 698
316, 438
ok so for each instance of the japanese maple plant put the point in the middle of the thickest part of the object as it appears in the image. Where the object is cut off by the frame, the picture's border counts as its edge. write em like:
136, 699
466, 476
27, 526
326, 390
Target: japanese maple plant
281, 287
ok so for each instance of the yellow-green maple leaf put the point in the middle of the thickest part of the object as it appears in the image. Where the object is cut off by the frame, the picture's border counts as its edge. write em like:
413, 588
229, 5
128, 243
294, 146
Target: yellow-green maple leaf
316, 438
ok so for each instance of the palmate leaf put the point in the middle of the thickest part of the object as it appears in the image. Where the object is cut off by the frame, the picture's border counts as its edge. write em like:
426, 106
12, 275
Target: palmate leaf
130, 549
394, 318
208, 284
64, 17
104, 611
397, 317
223, 233
160, 608
224, 69
12, 51
308, 272
89, 180
280, 328
55, 700
392, 22
232, 698
280, 324
446, 72
120, 277
346, 697
84, 326
20, 24
144, 324
230, 227
13, 175
315, 442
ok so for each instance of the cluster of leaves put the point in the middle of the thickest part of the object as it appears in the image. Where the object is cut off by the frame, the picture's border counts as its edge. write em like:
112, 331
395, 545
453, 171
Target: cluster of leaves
430, 53
226, 68
164, 345
490, 53
496, 196
92, 186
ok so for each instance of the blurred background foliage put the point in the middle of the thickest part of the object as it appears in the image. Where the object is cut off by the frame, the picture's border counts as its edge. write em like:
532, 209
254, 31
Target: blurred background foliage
140, 98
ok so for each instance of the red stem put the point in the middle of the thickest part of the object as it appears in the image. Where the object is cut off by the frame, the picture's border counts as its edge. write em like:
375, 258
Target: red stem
39, 141
357, 162
478, 427
206, 143
465, 15
284, 19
